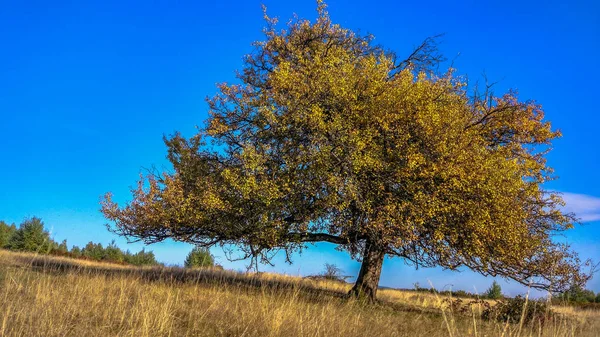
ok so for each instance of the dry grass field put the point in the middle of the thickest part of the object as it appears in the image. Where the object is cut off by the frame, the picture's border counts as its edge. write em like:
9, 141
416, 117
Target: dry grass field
49, 296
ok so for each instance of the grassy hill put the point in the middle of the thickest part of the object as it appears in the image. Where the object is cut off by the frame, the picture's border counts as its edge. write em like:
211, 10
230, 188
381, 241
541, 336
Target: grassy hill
50, 296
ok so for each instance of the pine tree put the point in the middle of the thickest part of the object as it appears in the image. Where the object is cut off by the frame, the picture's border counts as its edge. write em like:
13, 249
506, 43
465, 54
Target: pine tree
199, 257
31, 237
494, 292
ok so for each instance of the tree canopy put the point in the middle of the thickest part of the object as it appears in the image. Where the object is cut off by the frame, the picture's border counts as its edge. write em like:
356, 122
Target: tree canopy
329, 137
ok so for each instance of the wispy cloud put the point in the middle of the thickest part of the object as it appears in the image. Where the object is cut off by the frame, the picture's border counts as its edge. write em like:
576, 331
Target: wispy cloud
585, 207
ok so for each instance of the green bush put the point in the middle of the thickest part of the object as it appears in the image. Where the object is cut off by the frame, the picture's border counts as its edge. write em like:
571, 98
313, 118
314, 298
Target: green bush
31, 237
199, 257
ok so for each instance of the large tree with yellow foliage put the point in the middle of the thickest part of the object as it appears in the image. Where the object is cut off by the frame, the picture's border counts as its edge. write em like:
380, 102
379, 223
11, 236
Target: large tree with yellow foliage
331, 138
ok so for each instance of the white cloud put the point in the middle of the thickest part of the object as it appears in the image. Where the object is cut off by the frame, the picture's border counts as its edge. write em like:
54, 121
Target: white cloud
585, 207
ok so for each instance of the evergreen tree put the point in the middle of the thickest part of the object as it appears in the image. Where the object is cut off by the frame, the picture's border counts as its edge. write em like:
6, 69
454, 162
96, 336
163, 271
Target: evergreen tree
76, 252
93, 251
31, 237
494, 292
199, 257
6, 231
577, 294
113, 253
60, 249
141, 258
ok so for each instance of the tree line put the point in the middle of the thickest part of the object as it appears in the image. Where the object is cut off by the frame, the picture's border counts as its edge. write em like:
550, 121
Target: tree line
494, 292
31, 236
577, 296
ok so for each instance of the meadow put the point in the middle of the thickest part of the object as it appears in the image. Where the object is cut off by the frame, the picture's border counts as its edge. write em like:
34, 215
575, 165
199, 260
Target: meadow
55, 296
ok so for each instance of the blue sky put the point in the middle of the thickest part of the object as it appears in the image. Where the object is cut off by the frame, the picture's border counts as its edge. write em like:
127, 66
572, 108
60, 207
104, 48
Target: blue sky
87, 89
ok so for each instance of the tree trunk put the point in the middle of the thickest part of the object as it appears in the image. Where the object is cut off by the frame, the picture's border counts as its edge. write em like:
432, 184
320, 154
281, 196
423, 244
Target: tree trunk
368, 277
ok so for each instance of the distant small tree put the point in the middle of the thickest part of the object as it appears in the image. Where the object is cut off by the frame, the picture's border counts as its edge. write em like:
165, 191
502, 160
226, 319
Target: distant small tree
6, 231
147, 258
76, 252
31, 237
113, 253
598, 298
141, 258
333, 272
60, 249
93, 251
494, 292
199, 257
418, 287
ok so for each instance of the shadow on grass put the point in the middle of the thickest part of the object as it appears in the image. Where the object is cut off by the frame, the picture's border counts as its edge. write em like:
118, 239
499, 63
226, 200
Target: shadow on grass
306, 289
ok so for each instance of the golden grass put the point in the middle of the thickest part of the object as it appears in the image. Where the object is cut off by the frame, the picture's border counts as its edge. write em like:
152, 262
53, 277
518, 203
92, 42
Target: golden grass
44, 296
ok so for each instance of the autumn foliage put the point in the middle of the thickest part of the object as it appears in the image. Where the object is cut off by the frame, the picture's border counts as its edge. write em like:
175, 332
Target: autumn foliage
332, 138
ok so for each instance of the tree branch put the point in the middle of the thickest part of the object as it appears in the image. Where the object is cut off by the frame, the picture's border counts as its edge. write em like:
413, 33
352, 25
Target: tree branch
316, 237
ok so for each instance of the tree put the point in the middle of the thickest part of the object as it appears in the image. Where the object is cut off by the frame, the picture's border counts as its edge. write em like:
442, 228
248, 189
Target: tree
6, 231
31, 237
113, 253
60, 249
76, 252
332, 138
93, 251
141, 258
199, 257
494, 292
577, 294
333, 272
